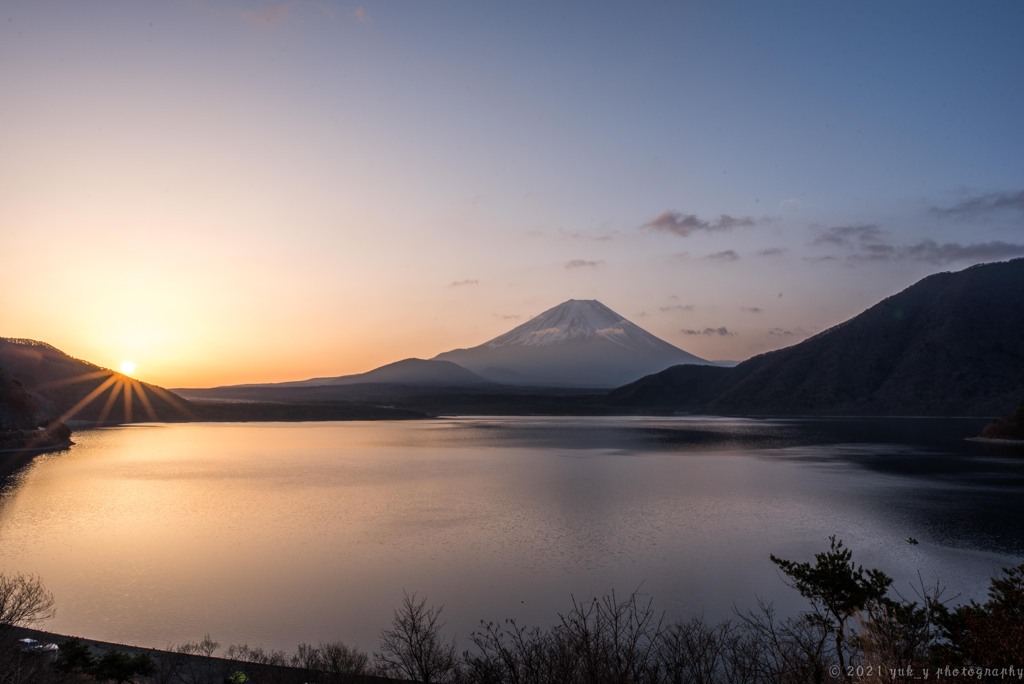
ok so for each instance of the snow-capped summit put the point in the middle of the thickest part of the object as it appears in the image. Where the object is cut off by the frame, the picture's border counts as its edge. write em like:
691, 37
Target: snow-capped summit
579, 343
572, 319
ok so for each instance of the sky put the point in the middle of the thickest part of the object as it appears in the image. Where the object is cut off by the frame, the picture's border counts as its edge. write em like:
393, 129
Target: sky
229, 191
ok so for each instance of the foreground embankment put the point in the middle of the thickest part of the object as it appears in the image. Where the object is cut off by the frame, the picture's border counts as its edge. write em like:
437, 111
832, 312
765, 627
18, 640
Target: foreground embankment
188, 663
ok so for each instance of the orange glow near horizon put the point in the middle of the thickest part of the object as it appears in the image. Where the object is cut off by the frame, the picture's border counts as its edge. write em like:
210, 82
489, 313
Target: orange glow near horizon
197, 356
303, 224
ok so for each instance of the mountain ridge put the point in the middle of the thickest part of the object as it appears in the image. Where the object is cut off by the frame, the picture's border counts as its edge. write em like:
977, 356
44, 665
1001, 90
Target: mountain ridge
411, 371
64, 388
577, 343
950, 344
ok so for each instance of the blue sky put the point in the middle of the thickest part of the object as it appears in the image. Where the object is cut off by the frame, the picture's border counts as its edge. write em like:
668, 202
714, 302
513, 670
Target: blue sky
230, 191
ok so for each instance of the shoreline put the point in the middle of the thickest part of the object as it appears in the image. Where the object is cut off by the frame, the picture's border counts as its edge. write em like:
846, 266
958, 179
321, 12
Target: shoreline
199, 667
36, 450
995, 440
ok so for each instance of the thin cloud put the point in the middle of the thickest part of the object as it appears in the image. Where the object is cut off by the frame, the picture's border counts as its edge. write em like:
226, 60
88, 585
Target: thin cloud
950, 252
987, 203
362, 15
848, 235
581, 235
875, 252
508, 317
582, 263
684, 225
785, 332
676, 307
463, 283
752, 309
720, 332
930, 251
772, 251
727, 255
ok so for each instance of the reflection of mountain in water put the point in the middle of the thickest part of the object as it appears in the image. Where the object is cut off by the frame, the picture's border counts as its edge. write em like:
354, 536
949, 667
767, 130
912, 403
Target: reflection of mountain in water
688, 508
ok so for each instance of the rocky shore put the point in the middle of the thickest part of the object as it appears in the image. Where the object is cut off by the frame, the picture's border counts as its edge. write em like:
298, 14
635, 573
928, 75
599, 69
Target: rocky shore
55, 437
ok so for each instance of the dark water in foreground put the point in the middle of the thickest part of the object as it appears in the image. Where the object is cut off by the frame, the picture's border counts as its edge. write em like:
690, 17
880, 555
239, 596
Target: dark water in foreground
274, 534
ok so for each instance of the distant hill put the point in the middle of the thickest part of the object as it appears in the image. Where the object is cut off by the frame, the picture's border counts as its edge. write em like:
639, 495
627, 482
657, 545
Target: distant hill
1010, 426
687, 387
579, 343
951, 344
63, 388
17, 409
22, 427
404, 372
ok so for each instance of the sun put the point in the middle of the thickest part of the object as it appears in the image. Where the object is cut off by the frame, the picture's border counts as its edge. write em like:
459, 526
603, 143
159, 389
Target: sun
128, 367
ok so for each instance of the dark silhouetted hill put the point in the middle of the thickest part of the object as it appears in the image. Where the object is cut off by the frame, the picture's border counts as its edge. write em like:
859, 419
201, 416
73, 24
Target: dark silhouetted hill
63, 388
21, 426
17, 410
1010, 426
411, 372
681, 388
951, 344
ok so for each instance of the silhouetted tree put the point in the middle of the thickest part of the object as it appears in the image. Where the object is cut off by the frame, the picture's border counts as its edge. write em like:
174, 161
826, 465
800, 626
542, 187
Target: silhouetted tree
902, 633
989, 634
413, 647
1010, 426
74, 656
837, 589
611, 640
332, 662
23, 601
122, 667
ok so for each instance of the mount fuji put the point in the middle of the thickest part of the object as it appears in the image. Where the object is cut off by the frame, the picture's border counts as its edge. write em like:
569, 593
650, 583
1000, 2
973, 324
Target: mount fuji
579, 343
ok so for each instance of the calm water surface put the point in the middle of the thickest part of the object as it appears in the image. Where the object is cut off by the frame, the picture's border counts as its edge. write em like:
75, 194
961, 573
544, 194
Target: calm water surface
274, 534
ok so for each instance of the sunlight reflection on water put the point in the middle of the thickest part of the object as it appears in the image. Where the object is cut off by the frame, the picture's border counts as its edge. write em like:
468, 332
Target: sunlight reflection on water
275, 534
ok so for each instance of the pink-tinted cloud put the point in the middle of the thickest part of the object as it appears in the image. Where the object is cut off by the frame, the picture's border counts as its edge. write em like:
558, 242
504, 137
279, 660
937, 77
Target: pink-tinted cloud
721, 331
270, 15
583, 263
683, 225
727, 255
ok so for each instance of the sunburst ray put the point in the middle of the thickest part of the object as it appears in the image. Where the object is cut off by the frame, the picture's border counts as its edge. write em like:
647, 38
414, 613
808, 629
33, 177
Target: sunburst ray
73, 379
109, 405
127, 401
175, 402
140, 391
87, 399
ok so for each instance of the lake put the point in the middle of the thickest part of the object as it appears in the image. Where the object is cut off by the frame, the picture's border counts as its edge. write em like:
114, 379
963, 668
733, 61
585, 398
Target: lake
274, 534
